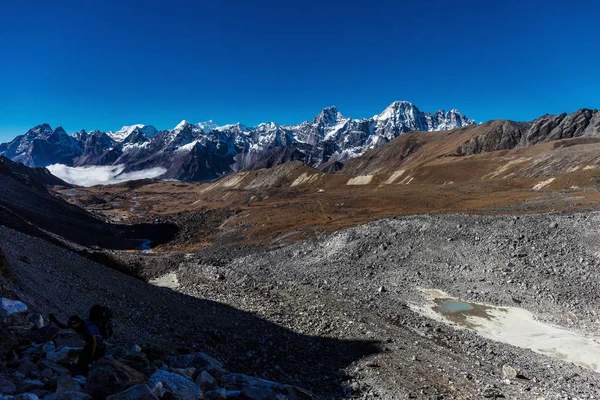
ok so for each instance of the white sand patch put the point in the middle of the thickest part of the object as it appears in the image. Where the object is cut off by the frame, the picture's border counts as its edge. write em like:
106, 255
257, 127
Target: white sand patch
543, 184
588, 167
169, 281
406, 180
505, 167
360, 180
573, 169
394, 176
518, 327
304, 178
233, 181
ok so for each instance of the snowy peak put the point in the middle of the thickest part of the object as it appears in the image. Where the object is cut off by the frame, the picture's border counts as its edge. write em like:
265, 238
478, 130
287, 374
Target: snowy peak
398, 110
329, 116
125, 131
207, 126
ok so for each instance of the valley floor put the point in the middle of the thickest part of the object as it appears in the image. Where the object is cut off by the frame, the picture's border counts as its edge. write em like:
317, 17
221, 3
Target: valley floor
337, 314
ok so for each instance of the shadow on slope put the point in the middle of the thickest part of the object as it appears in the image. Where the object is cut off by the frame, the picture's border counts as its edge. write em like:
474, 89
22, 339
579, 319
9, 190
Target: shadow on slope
56, 280
27, 206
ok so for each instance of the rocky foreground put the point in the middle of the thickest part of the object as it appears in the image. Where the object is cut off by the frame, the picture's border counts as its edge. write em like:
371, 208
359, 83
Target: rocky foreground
339, 315
37, 364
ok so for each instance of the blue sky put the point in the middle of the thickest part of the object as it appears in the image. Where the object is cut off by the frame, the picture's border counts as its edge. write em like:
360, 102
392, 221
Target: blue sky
104, 64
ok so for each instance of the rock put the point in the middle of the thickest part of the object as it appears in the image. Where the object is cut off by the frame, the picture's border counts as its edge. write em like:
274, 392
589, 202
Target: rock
59, 369
73, 395
137, 392
108, 376
36, 319
9, 307
27, 367
553, 225
206, 381
67, 384
82, 380
43, 335
178, 387
27, 385
48, 347
239, 381
47, 373
7, 386
136, 360
257, 393
135, 348
200, 361
25, 396
509, 372
69, 338
217, 394
491, 392
381, 289
63, 355
117, 352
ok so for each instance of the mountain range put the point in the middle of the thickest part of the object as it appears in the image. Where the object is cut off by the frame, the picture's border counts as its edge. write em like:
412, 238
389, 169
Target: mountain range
205, 151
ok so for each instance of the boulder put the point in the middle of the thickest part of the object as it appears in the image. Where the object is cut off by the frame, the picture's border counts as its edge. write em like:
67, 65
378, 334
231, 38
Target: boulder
200, 361
239, 381
73, 395
8, 307
509, 372
137, 392
178, 387
217, 394
57, 368
25, 396
36, 319
48, 347
7, 386
63, 355
67, 384
236, 381
206, 381
27, 367
69, 338
27, 385
108, 376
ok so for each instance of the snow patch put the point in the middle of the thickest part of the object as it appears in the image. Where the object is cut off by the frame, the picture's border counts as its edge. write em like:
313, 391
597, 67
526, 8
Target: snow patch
101, 175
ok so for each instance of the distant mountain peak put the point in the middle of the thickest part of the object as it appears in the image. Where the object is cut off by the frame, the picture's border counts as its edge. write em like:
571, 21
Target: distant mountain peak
329, 116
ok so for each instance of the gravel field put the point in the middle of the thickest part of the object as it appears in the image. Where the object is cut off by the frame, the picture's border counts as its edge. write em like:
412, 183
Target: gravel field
337, 314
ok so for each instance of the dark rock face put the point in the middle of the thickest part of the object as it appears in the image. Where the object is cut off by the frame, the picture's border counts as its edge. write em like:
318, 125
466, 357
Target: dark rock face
506, 135
109, 376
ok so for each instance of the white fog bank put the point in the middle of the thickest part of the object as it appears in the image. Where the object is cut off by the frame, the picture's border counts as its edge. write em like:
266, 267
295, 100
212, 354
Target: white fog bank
101, 175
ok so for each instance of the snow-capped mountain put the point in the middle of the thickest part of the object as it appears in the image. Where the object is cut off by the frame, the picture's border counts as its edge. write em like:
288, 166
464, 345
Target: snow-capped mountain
204, 150
125, 131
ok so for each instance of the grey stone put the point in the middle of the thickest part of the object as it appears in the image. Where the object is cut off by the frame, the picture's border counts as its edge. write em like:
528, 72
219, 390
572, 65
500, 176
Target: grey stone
8, 307
57, 368
7, 386
67, 384
63, 355
206, 381
178, 387
137, 392
108, 376
200, 361
27, 385
509, 372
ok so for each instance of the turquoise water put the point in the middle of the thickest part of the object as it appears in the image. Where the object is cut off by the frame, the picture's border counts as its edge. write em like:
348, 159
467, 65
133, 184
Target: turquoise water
455, 306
